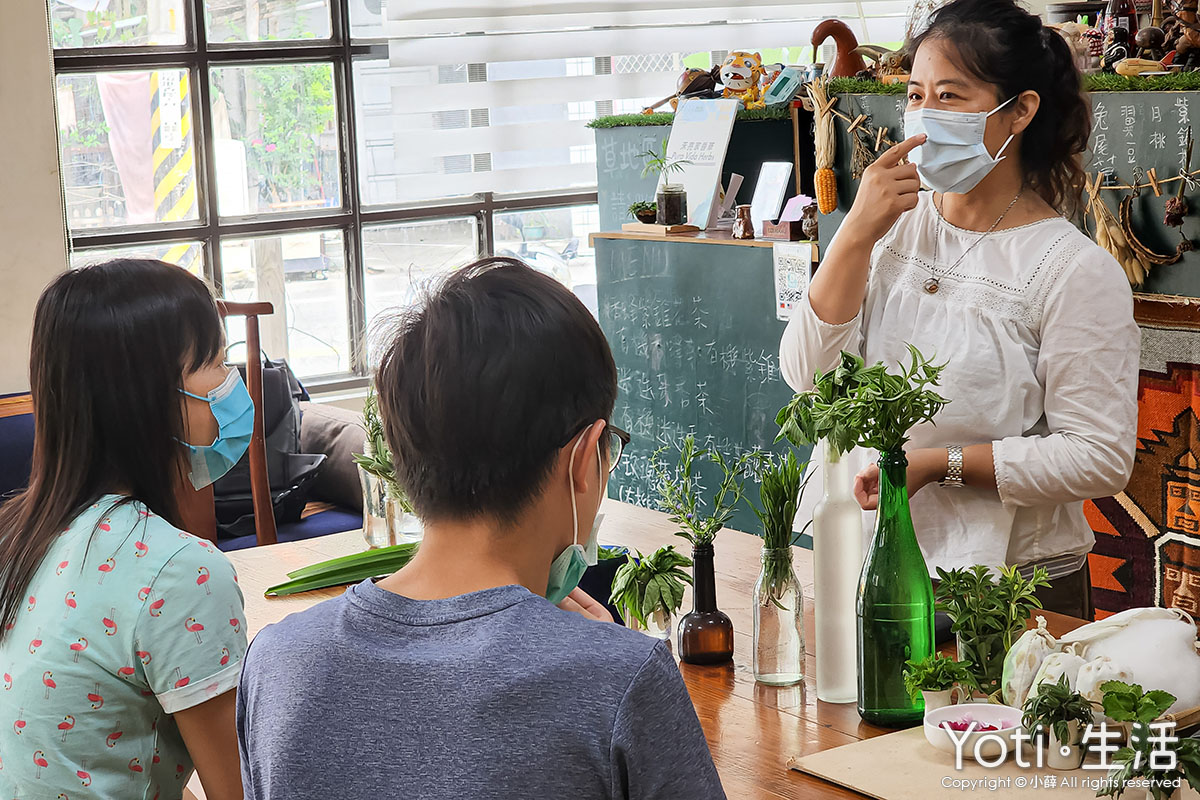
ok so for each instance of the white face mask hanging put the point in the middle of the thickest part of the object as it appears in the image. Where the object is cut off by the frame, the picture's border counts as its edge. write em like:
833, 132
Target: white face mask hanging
953, 157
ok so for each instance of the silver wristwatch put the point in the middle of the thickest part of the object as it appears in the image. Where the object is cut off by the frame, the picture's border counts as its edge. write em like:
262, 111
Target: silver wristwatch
954, 467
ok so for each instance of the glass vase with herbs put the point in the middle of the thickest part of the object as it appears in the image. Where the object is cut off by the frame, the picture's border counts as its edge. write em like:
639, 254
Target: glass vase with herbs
778, 601
387, 515
705, 633
895, 596
671, 206
987, 614
648, 590
836, 526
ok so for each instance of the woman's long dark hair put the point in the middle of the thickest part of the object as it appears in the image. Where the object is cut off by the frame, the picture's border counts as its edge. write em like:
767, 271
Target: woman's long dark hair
111, 344
1002, 44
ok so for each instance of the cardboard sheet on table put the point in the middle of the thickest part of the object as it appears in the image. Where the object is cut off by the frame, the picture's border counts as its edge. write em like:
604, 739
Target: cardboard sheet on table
903, 766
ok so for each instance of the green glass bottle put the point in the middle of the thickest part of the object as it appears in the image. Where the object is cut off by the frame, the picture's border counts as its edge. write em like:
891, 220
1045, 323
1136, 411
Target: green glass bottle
895, 605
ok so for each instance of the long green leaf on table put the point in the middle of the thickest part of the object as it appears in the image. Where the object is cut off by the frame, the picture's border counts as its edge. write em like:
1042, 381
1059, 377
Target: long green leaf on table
345, 569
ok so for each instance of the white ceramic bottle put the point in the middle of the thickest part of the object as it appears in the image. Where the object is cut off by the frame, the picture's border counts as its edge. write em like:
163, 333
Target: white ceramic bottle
837, 561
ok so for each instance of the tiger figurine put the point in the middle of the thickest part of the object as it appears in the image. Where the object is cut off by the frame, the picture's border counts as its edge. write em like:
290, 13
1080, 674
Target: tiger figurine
741, 75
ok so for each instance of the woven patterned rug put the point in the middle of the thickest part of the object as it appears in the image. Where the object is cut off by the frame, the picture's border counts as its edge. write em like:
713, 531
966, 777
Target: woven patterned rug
1148, 536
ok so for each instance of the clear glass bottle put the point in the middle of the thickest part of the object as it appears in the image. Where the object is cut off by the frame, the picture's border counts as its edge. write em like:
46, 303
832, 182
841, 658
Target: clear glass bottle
778, 621
837, 564
705, 632
895, 605
658, 624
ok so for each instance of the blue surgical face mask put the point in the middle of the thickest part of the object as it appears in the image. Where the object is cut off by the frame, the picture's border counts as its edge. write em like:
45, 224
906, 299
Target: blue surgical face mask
568, 568
953, 157
234, 411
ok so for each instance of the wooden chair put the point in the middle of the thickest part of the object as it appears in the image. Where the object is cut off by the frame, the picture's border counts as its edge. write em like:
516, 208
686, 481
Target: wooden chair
197, 507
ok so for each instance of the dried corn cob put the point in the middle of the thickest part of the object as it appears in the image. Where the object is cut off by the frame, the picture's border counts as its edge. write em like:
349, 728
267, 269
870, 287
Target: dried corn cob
824, 140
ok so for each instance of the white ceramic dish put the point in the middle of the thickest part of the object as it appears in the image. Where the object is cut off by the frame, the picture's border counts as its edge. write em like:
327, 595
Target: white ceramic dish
1006, 717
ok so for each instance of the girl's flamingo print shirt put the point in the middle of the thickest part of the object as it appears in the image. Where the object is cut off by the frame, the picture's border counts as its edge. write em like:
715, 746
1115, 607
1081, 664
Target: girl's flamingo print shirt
127, 621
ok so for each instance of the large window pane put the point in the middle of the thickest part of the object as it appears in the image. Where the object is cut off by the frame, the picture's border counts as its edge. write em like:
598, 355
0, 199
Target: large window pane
366, 19
266, 20
125, 140
403, 259
276, 139
429, 133
189, 255
304, 276
554, 241
115, 23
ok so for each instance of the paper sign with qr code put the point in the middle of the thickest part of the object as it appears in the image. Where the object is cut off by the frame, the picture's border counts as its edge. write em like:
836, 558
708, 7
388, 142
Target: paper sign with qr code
793, 262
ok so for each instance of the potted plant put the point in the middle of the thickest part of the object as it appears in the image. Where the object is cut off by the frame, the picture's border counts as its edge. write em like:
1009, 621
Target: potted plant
1055, 715
987, 615
649, 590
1150, 757
705, 633
938, 680
644, 212
671, 197
837, 525
895, 597
778, 601
387, 514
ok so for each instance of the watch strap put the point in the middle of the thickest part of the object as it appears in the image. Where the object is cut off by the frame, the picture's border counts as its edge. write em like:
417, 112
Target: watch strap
954, 467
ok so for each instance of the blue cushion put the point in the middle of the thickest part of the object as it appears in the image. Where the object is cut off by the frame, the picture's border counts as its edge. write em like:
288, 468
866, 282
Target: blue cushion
321, 524
16, 451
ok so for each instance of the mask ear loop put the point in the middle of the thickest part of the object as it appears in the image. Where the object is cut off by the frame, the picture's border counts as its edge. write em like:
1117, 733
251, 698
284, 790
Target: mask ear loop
571, 480
998, 157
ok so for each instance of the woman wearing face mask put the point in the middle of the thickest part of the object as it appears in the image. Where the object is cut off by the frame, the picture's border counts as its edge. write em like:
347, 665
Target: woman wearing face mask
122, 634
1033, 319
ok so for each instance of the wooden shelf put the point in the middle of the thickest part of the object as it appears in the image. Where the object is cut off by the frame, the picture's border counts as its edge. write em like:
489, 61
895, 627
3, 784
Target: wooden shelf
704, 237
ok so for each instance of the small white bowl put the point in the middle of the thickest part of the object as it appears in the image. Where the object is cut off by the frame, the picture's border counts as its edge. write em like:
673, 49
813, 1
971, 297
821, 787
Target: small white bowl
1006, 717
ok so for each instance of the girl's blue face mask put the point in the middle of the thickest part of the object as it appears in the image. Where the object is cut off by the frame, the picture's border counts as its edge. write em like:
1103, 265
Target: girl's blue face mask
233, 409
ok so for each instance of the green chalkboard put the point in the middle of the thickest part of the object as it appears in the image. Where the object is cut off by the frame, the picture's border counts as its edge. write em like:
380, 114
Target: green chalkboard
696, 343
1130, 130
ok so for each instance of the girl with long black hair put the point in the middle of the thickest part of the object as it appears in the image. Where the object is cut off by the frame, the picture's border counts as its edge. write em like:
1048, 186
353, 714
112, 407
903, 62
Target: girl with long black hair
122, 634
986, 273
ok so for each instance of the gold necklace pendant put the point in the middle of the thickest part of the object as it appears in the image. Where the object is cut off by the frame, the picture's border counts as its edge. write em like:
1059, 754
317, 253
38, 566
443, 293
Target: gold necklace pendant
931, 285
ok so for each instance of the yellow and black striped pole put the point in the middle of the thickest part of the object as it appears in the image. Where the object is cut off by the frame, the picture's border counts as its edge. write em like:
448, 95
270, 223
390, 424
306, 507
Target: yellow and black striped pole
174, 156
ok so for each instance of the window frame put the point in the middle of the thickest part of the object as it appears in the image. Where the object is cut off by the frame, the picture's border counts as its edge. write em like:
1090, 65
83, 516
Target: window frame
198, 57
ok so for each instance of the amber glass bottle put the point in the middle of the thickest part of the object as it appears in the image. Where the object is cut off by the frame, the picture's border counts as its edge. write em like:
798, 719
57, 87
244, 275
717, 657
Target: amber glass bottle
705, 633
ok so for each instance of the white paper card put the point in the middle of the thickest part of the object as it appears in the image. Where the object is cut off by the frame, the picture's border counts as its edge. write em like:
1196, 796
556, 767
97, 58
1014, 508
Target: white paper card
793, 262
700, 134
769, 192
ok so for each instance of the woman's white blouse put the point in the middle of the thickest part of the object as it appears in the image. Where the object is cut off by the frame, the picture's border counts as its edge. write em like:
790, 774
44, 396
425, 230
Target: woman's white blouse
1036, 328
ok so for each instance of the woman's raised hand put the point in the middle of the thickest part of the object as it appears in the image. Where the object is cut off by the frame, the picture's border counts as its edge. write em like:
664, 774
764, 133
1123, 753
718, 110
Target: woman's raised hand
888, 188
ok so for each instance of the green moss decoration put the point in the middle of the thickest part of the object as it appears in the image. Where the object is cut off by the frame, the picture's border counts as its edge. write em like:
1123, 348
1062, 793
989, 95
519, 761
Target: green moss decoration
1100, 82
641, 120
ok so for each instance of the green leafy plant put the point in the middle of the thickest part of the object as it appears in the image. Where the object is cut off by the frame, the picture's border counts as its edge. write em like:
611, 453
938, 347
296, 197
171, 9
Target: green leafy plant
987, 614
1053, 706
659, 163
346, 569
935, 673
1125, 702
644, 585
679, 489
660, 118
781, 484
377, 460
865, 406
640, 206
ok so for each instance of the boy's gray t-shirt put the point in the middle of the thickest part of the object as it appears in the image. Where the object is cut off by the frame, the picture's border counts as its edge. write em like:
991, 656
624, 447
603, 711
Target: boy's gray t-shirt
494, 694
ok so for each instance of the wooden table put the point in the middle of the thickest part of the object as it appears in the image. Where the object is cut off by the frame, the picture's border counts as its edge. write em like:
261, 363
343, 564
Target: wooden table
752, 729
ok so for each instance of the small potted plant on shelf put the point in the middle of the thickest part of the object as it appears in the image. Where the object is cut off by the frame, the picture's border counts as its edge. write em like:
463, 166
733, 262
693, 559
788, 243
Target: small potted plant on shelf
644, 212
778, 601
671, 197
1154, 759
939, 680
648, 590
387, 514
1056, 716
987, 615
705, 633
